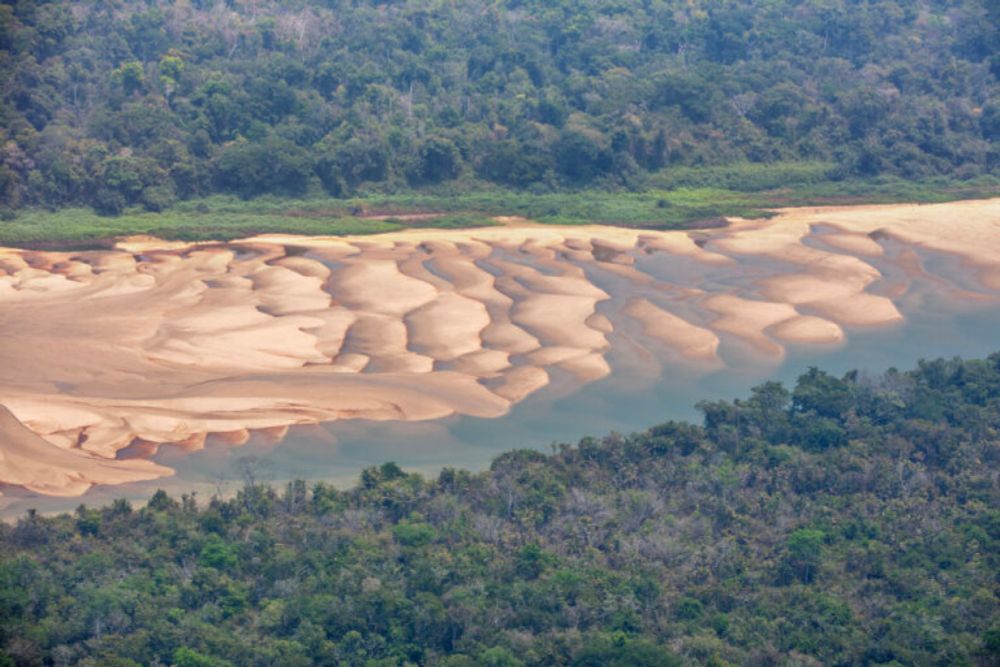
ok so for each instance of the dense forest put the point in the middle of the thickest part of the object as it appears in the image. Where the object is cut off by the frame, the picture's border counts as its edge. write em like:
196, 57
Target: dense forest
847, 521
115, 104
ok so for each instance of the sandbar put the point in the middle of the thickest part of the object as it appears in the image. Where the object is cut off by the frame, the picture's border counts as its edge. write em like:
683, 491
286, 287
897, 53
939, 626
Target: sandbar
110, 354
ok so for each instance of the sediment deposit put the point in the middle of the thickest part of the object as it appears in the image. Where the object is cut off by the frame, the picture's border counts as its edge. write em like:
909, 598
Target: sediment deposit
108, 355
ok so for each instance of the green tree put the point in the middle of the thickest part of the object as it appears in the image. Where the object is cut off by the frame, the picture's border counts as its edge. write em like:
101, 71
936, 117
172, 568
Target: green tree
620, 651
580, 155
130, 77
276, 165
188, 657
803, 554
499, 657
511, 163
990, 120
438, 159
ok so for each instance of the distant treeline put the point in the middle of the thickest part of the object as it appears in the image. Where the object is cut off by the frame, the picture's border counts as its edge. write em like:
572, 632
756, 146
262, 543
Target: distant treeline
850, 520
114, 104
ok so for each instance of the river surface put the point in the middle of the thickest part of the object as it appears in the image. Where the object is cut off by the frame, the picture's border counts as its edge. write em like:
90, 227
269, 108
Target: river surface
640, 392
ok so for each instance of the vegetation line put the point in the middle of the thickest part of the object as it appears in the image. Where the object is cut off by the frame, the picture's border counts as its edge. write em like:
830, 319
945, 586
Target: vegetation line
675, 199
114, 107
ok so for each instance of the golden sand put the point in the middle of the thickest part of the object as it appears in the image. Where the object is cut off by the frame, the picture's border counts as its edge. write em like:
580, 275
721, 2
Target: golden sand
687, 339
163, 342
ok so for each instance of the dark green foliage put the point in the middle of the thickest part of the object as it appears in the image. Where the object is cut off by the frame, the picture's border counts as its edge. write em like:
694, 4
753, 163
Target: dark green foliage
620, 651
413, 534
186, 657
217, 554
990, 119
803, 551
269, 97
345, 166
688, 609
753, 539
109, 202
438, 160
512, 163
991, 646
580, 155
161, 502
274, 166
688, 92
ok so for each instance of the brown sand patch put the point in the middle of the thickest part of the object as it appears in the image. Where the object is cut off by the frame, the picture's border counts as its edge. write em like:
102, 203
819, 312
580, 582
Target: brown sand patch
690, 341
30, 461
521, 382
807, 329
749, 318
448, 327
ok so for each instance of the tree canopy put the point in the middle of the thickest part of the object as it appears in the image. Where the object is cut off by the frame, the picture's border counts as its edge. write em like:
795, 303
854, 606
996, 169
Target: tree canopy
742, 541
116, 104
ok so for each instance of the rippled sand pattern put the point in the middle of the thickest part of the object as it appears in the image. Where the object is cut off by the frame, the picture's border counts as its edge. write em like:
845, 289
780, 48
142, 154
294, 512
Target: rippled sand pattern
107, 355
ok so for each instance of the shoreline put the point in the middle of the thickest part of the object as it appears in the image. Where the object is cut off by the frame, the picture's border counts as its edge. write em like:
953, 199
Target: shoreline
662, 206
157, 342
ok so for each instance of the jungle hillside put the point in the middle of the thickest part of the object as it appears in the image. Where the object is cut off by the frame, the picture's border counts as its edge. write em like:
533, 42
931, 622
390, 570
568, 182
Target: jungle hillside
129, 106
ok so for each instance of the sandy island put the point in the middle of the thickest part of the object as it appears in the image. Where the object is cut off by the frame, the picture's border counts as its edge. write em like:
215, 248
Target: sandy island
108, 355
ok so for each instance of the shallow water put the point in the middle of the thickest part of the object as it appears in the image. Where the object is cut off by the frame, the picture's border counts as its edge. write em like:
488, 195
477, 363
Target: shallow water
113, 356
641, 391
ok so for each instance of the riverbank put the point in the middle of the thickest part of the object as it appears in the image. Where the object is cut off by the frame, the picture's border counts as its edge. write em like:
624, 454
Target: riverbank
110, 354
673, 199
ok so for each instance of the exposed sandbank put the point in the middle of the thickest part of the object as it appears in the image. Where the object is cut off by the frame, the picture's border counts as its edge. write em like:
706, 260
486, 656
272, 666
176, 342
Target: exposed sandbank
154, 342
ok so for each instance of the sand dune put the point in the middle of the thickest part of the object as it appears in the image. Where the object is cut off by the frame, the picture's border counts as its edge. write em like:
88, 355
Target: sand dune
690, 341
30, 461
448, 327
157, 343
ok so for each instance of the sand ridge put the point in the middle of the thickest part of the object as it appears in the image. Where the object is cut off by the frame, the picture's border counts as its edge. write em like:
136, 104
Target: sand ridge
152, 343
